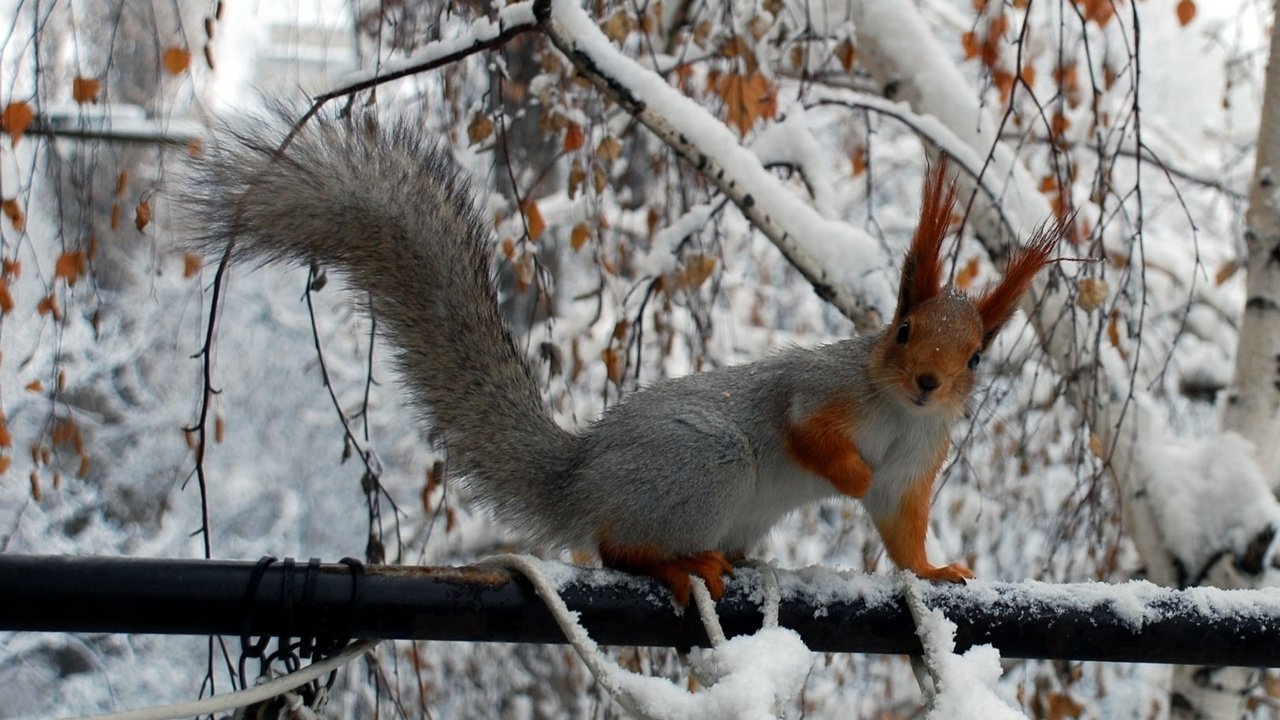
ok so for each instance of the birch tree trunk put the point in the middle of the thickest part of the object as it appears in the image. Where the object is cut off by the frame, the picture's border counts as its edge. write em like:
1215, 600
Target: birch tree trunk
1253, 406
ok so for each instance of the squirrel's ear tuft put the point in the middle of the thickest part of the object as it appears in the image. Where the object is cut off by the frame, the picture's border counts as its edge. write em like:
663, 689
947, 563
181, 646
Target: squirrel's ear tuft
996, 305
922, 268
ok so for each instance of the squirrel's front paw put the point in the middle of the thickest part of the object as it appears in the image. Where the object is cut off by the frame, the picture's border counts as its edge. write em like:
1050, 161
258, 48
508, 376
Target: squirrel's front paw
955, 572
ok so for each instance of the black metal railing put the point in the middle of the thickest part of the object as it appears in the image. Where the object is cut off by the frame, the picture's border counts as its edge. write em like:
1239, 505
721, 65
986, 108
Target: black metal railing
1135, 622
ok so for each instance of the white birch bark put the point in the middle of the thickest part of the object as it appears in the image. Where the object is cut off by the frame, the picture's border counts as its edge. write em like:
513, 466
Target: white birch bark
1253, 405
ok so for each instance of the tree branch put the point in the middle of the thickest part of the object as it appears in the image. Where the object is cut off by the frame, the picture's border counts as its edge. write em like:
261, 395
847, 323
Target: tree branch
817, 247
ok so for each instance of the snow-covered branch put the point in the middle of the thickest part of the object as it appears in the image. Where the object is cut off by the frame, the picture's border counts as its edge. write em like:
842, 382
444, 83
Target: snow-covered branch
844, 265
484, 34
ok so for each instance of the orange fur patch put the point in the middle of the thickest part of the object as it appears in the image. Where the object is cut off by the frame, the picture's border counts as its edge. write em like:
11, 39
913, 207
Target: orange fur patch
904, 533
823, 445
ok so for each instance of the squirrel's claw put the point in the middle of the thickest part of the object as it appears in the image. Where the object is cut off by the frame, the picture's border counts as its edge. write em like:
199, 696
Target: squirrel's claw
954, 573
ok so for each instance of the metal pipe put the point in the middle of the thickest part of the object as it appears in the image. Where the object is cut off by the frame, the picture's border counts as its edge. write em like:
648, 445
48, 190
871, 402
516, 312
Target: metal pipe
832, 612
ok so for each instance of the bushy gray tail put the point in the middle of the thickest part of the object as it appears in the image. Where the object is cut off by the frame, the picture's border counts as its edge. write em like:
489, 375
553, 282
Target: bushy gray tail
382, 204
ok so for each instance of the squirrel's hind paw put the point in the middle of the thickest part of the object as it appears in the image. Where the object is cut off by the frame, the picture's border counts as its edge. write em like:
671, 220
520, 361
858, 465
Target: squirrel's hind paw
674, 572
954, 573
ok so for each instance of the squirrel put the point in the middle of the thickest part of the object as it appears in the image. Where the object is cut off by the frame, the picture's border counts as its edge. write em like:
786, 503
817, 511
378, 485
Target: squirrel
683, 476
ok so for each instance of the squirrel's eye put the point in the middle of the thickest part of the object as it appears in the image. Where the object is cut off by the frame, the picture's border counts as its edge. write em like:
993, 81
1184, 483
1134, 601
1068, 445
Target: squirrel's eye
973, 361
904, 330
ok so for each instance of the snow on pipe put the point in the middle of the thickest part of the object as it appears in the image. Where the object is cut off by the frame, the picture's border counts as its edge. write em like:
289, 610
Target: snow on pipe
831, 611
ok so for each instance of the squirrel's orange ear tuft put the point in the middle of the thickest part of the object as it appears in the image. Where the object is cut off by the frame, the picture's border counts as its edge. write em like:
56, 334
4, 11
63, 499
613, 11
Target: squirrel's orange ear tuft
922, 268
996, 305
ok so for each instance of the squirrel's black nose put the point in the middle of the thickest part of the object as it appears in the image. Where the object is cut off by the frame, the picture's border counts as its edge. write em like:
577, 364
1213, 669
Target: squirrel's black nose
927, 382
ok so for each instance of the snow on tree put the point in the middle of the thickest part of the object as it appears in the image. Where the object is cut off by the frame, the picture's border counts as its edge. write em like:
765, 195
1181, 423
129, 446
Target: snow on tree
673, 186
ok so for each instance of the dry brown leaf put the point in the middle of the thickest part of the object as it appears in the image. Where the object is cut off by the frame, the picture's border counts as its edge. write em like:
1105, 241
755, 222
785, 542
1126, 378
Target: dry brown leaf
1186, 12
1093, 292
509, 248
613, 365
115, 216
15, 119
1095, 445
1113, 332
577, 174
618, 26
70, 266
122, 182
48, 305
967, 274
574, 137
847, 54
85, 90
697, 268
859, 160
609, 148
1059, 125
83, 471
701, 32
176, 60
191, 265
219, 429
524, 269
971, 44
1003, 80
578, 237
34, 386
797, 55
533, 219
6, 438
142, 215
6, 299
35, 486
1099, 11
14, 212
747, 98
1062, 705
599, 180
11, 268
5, 462
1226, 272
479, 129
998, 25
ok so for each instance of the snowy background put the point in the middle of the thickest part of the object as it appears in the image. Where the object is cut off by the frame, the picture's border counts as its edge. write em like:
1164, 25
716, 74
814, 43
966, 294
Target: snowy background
99, 374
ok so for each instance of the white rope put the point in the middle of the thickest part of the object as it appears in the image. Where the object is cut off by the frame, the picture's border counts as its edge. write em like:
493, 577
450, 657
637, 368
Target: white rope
924, 667
587, 649
772, 591
248, 696
707, 611
605, 672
